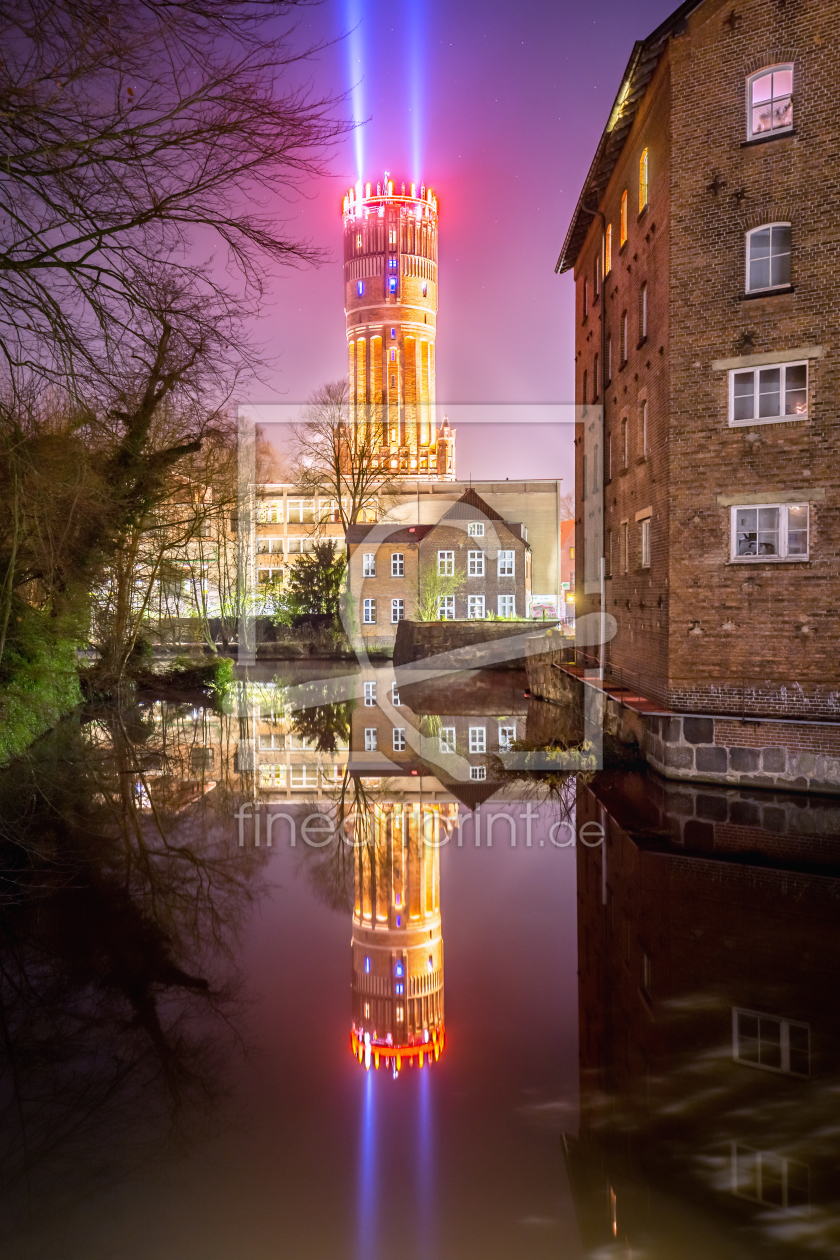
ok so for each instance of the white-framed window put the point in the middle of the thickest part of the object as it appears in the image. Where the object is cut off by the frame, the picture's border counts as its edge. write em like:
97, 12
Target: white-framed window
478, 739
770, 532
446, 607
370, 694
304, 776
399, 739
369, 612
397, 564
475, 529
370, 739
505, 563
395, 696
447, 739
768, 394
645, 543
475, 607
478, 773
770, 101
771, 1043
506, 605
475, 564
446, 564
507, 734
369, 564
397, 610
767, 1177
768, 257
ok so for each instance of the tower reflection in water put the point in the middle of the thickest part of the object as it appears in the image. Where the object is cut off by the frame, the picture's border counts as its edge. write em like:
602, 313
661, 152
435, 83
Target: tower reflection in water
397, 945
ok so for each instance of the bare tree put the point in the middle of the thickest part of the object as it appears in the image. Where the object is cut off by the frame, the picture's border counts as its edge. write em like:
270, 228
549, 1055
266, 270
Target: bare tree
132, 130
567, 507
336, 459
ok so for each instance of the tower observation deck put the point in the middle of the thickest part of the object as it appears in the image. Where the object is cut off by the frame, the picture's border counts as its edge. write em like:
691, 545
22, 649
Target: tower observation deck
390, 306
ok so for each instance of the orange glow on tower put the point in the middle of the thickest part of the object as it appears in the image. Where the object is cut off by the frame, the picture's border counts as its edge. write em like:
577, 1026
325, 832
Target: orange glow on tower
390, 308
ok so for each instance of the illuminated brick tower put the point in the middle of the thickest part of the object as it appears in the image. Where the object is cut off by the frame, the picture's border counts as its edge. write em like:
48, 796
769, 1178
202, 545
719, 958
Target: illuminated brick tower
397, 976
390, 304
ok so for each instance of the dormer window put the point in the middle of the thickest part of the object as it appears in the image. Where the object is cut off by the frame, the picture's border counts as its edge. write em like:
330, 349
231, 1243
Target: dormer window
770, 101
475, 529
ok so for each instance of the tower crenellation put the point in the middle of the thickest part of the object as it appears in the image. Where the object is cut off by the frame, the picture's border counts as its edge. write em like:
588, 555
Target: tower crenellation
390, 306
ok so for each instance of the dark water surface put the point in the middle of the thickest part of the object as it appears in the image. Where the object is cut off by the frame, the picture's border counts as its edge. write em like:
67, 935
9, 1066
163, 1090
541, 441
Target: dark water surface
627, 1050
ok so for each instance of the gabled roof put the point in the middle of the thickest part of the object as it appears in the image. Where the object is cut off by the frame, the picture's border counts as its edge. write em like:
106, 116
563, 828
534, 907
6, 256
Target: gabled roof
643, 61
470, 504
405, 534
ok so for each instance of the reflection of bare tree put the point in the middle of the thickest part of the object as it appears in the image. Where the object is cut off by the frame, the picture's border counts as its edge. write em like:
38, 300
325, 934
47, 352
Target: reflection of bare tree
325, 727
121, 894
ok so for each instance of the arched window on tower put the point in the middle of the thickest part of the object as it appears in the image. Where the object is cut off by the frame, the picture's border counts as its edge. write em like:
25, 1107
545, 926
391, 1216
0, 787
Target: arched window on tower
643, 180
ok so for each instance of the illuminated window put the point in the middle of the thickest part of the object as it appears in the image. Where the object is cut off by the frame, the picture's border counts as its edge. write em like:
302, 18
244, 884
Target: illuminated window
392, 283
775, 532
358, 240
392, 264
400, 1014
393, 334
425, 288
768, 257
360, 287
367, 966
643, 180
431, 963
392, 236
770, 101
623, 221
367, 1010
772, 393
608, 251
393, 354
398, 970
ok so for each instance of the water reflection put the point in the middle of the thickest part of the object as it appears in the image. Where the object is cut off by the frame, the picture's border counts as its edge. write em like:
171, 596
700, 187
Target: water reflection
708, 1022
121, 903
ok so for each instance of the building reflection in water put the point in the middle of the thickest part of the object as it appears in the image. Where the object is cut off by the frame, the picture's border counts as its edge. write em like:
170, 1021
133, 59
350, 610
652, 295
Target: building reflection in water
397, 967
709, 1027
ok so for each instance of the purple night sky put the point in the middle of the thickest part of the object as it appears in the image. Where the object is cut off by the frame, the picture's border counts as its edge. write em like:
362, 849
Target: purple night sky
498, 107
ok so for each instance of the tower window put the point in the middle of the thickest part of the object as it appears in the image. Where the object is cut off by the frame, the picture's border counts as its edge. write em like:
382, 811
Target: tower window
358, 240
393, 355
392, 236
393, 284
393, 334
392, 264
360, 287
643, 180
608, 251
425, 289
393, 381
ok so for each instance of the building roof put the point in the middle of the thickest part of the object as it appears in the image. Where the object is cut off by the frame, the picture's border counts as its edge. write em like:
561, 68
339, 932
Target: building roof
466, 507
643, 61
405, 534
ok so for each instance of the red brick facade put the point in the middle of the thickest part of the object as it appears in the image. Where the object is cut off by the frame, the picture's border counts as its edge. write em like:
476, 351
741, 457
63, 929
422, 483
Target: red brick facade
698, 628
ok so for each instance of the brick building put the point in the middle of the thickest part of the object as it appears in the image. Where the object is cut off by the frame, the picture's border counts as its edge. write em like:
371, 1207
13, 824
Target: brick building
481, 563
708, 1034
708, 454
